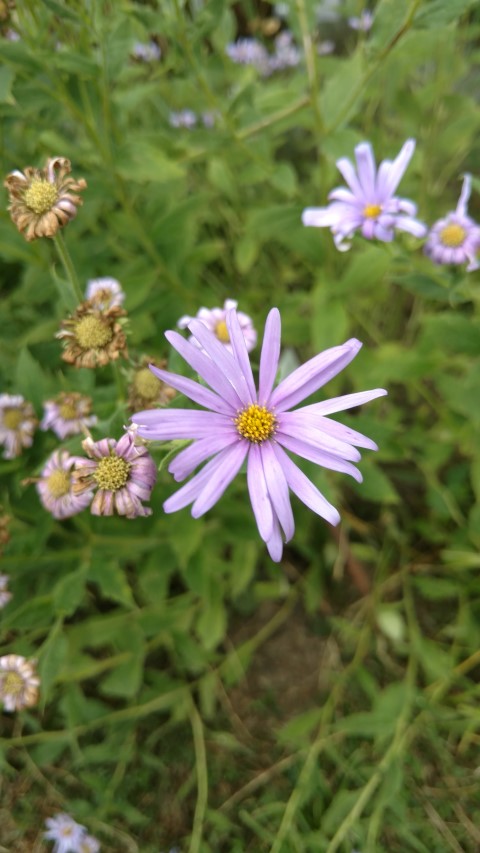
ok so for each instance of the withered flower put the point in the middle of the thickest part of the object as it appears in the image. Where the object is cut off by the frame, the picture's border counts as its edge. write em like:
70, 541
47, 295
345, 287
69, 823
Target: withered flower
93, 336
44, 200
146, 391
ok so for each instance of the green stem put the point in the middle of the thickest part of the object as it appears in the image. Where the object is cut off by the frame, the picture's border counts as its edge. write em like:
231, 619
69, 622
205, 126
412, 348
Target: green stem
66, 260
202, 780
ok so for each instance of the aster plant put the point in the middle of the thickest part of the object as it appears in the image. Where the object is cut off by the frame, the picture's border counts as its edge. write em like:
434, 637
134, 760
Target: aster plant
44, 200
241, 424
215, 320
19, 682
93, 336
55, 487
369, 204
105, 291
18, 423
122, 472
455, 239
68, 414
65, 832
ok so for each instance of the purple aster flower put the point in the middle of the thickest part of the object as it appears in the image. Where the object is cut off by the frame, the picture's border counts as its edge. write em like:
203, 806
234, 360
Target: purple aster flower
243, 425
68, 414
215, 320
106, 292
369, 204
55, 486
123, 473
17, 424
455, 239
65, 832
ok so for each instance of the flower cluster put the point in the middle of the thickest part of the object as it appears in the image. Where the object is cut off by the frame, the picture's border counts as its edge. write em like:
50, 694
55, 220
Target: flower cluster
69, 836
19, 683
370, 205
243, 425
249, 51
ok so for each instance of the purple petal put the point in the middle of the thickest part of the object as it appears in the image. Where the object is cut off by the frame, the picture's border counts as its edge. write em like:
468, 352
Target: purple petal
275, 542
320, 217
187, 460
277, 489
344, 195
304, 488
344, 433
298, 426
205, 367
190, 491
413, 226
169, 424
320, 457
366, 170
222, 359
240, 351
230, 462
345, 167
257, 488
196, 392
308, 378
464, 196
346, 401
269, 356
390, 174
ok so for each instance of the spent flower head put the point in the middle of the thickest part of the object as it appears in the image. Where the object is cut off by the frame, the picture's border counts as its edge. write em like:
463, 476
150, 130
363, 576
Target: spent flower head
215, 319
5, 595
44, 200
256, 427
122, 472
369, 204
55, 486
19, 682
18, 423
455, 239
146, 391
93, 336
65, 832
106, 292
68, 414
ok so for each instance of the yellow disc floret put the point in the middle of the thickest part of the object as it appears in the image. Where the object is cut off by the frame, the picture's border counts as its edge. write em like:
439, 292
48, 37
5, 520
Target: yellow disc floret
146, 384
256, 423
12, 418
40, 196
12, 683
58, 483
221, 332
112, 473
68, 411
92, 332
372, 211
453, 235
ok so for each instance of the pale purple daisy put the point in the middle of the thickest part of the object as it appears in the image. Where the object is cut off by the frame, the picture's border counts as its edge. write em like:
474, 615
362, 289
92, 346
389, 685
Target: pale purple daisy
18, 423
243, 425
55, 486
68, 414
65, 832
19, 682
369, 204
455, 239
146, 51
106, 292
215, 319
5, 595
183, 118
122, 472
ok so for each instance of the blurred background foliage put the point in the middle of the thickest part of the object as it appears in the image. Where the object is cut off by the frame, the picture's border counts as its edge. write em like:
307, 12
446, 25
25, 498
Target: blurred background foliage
193, 693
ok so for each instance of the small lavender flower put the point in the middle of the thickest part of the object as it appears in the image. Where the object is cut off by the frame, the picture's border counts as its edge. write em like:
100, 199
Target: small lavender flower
183, 118
215, 320
362, 22
123, 473
209, 118
146, 52
18, 423
55, 487
286, 55
249, 51
68, 414
455, 239
19, 682
5, 595
243, 425
325, 48
107, 292
88, 844
65, 832
369, 204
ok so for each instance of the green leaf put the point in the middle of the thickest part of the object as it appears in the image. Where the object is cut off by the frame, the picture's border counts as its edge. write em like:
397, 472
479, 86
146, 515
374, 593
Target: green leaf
30, 380
139, 160
51, 658
111, 580
68, 592
7, 76
438, 13
338, 89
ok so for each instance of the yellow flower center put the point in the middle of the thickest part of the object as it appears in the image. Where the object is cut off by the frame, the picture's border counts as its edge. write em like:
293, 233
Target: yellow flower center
66, 831
453, 235
58, 483
12, 418
40, 196
221, 332
146, 384
67, 411
372, 211
12, 683
112, 473
93, 332
256, 423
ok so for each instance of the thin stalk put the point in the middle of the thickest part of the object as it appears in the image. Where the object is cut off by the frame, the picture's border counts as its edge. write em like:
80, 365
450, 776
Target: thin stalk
67, 263
202, 780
